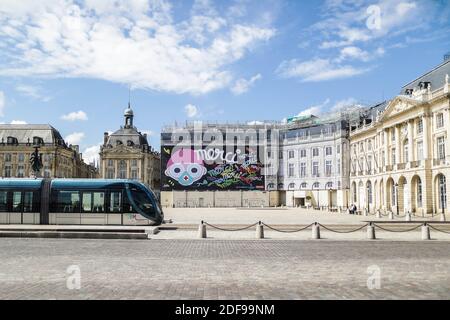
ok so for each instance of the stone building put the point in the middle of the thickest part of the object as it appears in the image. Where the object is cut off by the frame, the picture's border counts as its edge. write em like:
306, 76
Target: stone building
314, 162
400, 154
303, 162
126, 154
59, 159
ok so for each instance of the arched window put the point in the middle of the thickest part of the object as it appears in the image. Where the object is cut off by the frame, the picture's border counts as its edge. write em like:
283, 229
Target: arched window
281, 186
316, 185
304, 185
291, 186
329, 185
271, 186
122, 169
354, 193
442, 192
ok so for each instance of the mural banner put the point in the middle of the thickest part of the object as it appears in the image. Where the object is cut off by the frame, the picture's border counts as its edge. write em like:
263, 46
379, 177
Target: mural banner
186, 168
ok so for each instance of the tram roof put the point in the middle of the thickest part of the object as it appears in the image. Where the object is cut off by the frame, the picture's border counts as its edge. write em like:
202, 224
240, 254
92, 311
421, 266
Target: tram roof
63, 183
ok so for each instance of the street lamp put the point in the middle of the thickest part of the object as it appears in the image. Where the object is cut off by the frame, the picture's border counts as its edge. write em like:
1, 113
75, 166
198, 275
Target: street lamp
396, 197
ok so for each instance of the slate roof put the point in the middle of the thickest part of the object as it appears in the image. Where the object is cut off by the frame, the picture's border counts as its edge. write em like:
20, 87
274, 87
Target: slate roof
436, 76
24, 133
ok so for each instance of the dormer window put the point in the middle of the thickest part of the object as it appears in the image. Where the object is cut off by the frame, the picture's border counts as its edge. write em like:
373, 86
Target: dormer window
12, 141
119, 142
38, 141
130, 143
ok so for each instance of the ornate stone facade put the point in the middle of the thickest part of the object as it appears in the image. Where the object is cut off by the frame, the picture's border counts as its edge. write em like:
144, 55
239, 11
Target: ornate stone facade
59, 159
126, 154
400, 154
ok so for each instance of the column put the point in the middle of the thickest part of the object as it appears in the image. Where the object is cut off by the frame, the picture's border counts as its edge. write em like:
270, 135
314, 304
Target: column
410, 141
397, 144
425, 137
447, 128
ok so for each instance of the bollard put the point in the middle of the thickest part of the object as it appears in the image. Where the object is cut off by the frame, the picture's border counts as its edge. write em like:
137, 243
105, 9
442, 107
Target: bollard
259, 231
378, 214
371, 232
425, 232
442, 217
408, 216
315, 231
202, 230
391, 215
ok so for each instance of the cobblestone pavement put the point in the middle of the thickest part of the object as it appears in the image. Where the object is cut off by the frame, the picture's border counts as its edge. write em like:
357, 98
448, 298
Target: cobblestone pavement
216, 269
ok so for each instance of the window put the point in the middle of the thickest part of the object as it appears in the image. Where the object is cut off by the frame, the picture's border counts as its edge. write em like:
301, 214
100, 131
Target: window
369, 145
281, 155
441, 148
3, 201
28, 202
291, 186
329, 185
304, 185
369, 163
11, 140
393, 156
383, 158
315, 152
303, 169
20, 171
393, 195
338, 149
315, 169
142, 201
338, 166
134, 174
7, 157
328, 151
291, 170
122, 169
392, 135
17, 201
94, 202
420, 126
110, 173
115, 202
21, 157
38, 141
316, 185
369, 193
7, 171
405, 151
302, 153
134, 163
110, 163
439, 120
291, 154
442, 192
419, 148
67, 202
328, 168
419, 193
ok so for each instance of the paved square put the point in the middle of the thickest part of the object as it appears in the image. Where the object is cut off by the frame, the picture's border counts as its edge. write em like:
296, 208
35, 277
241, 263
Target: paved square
223, 269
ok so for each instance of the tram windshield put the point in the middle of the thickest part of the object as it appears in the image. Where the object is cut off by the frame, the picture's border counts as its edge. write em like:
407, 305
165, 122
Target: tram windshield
142, 201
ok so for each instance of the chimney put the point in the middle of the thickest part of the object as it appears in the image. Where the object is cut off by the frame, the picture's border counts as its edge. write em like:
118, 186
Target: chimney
105, 138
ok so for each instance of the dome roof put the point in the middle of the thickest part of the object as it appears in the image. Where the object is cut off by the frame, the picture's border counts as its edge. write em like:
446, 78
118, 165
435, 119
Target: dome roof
128, 112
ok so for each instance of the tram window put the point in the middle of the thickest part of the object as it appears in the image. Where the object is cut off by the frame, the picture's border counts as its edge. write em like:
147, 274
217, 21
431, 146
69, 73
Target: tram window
127, 207
142, 201
28, 201
68, 201
94, 202
17, 201
3, 201
115, 202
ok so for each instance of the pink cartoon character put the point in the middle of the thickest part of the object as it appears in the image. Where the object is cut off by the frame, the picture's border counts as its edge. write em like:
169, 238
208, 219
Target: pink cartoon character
185, 167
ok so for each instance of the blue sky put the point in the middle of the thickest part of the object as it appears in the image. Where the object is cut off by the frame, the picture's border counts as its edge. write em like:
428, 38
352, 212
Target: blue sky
70, 63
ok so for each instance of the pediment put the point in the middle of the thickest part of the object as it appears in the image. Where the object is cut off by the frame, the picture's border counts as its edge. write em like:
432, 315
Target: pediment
121, 149
397, 106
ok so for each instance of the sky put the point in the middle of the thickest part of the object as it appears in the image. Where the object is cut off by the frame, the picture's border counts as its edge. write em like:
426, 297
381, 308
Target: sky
75, 63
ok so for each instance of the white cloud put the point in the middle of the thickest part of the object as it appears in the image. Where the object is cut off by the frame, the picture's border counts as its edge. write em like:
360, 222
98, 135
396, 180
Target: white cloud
191, 110
254, 122
91, 154
74, 116
242, 85
2, 103
133, 42
75, 138
314, 110
18, 122
33, 92
317, 70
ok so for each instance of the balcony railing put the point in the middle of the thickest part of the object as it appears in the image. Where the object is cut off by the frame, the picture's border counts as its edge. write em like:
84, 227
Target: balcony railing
388, 168
415, 164
401, 166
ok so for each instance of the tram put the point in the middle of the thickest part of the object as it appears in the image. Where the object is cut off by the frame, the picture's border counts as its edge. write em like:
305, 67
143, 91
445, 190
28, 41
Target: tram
78, 201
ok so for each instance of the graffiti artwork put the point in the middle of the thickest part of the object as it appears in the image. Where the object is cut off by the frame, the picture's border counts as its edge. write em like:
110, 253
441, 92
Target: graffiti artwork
212, 169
